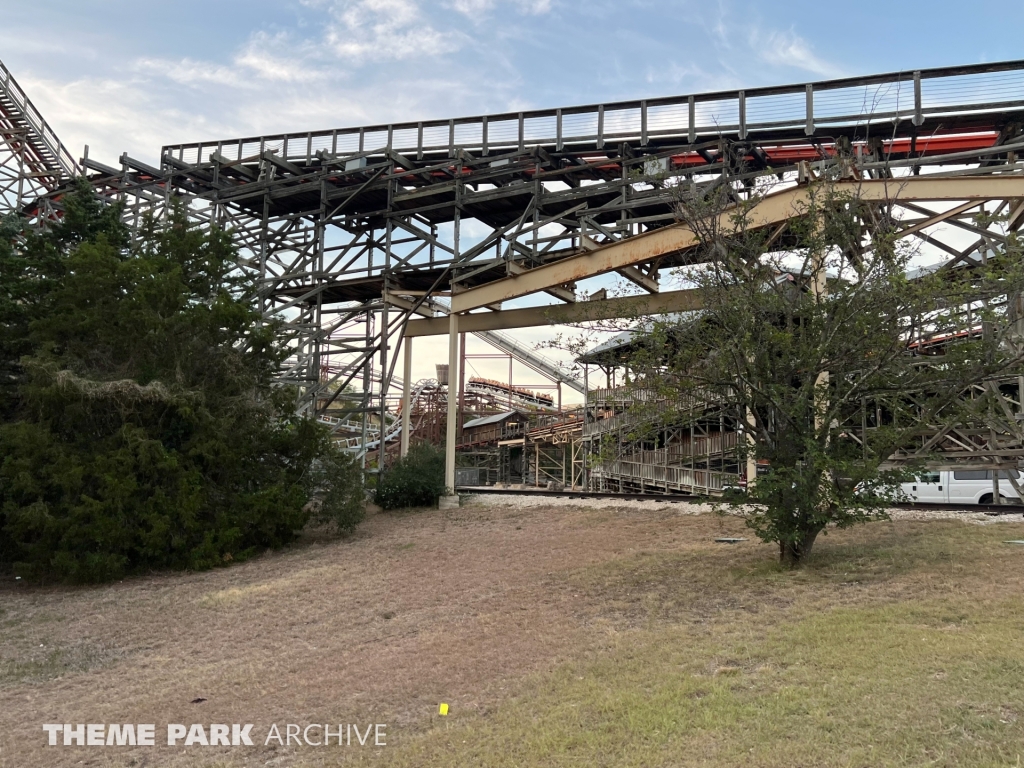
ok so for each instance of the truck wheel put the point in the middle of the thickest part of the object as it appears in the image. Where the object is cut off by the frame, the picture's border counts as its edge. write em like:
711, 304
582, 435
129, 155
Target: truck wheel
986, 499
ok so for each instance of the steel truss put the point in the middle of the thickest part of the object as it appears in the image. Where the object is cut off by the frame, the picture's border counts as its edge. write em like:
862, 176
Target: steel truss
33, 162
354, 233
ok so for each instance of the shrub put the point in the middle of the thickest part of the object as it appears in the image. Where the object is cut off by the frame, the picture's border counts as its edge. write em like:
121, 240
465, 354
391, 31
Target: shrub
139, 427
417, 480
337, 484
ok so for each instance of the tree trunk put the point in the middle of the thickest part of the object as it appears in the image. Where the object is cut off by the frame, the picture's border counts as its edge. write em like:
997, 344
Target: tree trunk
792, 553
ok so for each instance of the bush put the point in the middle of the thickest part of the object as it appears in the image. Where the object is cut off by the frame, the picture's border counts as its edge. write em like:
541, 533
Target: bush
139, 427
338, 488
417, 480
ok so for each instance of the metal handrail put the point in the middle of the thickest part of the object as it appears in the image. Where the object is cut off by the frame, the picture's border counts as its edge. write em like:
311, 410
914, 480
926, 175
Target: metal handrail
662, 476
43, 133
895, 95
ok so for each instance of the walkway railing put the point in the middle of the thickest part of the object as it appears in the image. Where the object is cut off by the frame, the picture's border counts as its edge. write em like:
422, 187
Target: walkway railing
48, 145
913, 96
661, 477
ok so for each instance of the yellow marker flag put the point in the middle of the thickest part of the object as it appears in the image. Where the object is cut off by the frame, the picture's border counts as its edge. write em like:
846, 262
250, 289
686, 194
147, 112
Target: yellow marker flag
443, 710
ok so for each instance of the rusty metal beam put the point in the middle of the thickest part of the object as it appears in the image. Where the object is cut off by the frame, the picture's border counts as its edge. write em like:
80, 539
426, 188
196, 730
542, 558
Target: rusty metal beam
566, 293
638, 278
938, 218
769, 211
628, 306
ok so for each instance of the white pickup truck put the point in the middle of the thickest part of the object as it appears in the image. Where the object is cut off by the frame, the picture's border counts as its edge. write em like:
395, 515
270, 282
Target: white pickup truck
962, 486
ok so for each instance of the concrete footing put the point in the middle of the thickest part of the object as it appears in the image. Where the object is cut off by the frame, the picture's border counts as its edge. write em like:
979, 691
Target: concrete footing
448, 502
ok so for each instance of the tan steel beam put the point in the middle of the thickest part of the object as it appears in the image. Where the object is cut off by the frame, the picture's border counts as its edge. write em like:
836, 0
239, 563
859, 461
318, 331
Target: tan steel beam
453, 401
638, 278
937, 218
770, 210
628, 306
1016, 218
403, 303
566, 293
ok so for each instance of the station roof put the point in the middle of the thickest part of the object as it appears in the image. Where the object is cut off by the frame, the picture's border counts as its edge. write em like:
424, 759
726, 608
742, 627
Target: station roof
495, 419
611, 351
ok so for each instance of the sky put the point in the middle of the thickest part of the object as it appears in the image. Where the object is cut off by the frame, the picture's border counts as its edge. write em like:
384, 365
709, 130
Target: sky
133, 75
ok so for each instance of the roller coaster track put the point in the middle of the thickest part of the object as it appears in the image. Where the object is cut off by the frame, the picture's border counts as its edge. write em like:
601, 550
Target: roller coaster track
530, 358
519, 351
33, 161
366, 224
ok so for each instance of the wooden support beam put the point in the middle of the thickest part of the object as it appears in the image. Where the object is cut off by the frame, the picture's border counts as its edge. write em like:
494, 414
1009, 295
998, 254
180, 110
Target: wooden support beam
938, 218
1016, 217
280, 162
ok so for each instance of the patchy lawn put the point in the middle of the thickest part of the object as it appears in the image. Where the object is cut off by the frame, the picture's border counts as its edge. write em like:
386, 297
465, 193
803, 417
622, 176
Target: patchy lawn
559, 636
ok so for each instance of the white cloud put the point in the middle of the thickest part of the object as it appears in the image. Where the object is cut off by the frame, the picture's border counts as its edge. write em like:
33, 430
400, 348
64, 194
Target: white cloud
789, 49
475, 8
114, 115
472, 7
535, 6
308, 77
281, 58
690, 77
333, 68
385, 29
191, 72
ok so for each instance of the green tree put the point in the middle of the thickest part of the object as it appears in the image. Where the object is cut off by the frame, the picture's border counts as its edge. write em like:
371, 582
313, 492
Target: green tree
140, 426
415, 480
798, 338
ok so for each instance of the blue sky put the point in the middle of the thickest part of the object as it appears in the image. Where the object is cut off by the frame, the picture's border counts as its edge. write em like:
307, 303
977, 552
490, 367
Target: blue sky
133, 75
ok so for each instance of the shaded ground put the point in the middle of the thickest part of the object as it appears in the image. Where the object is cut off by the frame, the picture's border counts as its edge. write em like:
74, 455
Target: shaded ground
559, 635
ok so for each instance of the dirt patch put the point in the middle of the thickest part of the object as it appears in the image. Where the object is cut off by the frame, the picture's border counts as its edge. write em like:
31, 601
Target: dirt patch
418, 608
682, 506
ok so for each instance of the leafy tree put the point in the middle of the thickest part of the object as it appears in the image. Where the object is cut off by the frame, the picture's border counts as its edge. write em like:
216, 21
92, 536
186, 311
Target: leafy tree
415, 480
337, 482
140, 428
799, 340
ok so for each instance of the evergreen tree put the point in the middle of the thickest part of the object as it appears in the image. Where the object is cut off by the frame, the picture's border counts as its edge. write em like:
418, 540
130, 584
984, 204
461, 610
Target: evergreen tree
140, 428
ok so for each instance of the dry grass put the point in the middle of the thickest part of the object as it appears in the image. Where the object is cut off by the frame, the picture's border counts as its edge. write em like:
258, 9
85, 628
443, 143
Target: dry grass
560, 636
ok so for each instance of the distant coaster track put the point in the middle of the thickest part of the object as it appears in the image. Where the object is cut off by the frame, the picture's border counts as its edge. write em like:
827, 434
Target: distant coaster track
352, 232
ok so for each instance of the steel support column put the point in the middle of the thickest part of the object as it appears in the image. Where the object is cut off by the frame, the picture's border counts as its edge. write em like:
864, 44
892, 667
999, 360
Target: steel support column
451, 435
406, 391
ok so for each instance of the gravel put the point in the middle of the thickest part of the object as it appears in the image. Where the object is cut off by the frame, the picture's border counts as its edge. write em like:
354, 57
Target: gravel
683, 507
